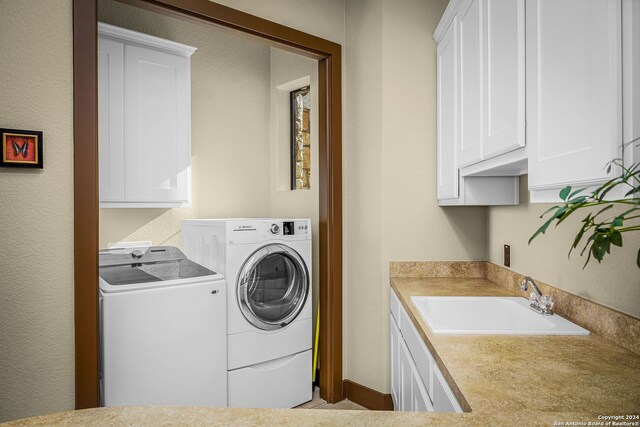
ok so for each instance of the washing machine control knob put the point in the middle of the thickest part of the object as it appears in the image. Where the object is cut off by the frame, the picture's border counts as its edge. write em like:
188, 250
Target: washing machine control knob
137, 254
275, 229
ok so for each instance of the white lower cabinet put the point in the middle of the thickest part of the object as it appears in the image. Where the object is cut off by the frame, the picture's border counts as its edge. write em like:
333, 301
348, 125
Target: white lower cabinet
420, 400
406, 369
395, 362
416, 382
443, 398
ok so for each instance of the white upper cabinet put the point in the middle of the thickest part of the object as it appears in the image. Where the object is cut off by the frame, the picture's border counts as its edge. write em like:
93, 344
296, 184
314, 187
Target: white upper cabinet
447, 63
111, 119
491, 86
574, 95
631, 81
539, 90
461, 104
144, 107
157, 158
470, 94
503, 77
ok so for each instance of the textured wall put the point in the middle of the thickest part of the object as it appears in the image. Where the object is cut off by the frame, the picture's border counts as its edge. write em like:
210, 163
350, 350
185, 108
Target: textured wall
414, 226
322, 18
390, 162
287, 68
230, 149
389, 182
36, 212
615, 282
362, 182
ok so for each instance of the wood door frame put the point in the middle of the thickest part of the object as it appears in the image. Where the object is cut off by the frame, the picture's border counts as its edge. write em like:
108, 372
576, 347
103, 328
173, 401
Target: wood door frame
86, 213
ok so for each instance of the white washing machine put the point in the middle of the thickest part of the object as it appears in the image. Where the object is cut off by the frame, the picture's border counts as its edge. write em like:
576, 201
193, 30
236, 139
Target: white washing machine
162, 329
267, 263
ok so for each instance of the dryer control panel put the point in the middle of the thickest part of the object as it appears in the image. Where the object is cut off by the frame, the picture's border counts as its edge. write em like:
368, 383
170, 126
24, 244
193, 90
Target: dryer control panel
257, 230
290, 228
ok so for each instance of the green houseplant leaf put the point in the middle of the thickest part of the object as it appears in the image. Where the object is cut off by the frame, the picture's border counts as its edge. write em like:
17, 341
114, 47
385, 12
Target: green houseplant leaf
604, 232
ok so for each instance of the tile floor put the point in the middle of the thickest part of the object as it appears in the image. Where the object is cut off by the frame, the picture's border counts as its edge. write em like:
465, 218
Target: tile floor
318, 403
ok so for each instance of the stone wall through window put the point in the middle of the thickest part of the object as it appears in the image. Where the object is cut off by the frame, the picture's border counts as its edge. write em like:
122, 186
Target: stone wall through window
301, 139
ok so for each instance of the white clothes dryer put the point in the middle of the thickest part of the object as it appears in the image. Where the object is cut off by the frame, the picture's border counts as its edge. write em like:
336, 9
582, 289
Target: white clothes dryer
267, 263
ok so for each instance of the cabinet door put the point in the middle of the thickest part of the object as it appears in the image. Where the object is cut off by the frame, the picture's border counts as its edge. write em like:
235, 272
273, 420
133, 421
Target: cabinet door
443, 398
631, 80
406, 374
573, 54
419, 395
395, 362
503, 70
447, 54
470, 123
157, 158
110, 119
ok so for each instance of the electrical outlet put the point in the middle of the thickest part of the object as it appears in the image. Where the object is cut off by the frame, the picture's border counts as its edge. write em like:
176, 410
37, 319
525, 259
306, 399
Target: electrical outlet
507, 256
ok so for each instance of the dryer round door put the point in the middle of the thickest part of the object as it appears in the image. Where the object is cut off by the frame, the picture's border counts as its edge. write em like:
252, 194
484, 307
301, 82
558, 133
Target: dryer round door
272, 286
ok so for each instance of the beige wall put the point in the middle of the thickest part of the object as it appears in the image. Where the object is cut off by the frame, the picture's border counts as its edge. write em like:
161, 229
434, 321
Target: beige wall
36, 209
414, 226
389, 183
230, 101
615, 282
322, 18
391, 211
36, 212
362, 182
288, 72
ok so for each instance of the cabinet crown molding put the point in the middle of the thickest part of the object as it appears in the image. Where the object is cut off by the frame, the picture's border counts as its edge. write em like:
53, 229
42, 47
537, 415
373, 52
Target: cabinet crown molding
134, 37
447, 17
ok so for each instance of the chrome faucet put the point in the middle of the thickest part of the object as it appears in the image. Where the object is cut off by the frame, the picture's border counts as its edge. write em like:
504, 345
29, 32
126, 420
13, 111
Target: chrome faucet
539, 303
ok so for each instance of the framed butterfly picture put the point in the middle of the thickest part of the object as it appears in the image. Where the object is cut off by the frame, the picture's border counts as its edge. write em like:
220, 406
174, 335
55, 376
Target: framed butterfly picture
21, 148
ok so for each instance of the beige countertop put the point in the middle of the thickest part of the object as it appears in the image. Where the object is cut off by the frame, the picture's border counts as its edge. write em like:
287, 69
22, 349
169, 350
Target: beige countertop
505, 380
196, 416
542, 378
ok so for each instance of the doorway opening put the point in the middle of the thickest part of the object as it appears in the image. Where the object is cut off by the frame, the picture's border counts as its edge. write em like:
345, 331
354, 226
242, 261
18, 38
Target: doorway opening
86, 212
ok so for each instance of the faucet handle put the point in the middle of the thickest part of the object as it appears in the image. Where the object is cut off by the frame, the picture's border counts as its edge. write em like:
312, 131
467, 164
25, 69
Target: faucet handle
546, 303
533, 298
523, 285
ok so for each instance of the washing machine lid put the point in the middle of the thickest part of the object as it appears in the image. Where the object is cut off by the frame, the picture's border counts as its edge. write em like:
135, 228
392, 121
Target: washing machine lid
272, 286
128, 266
